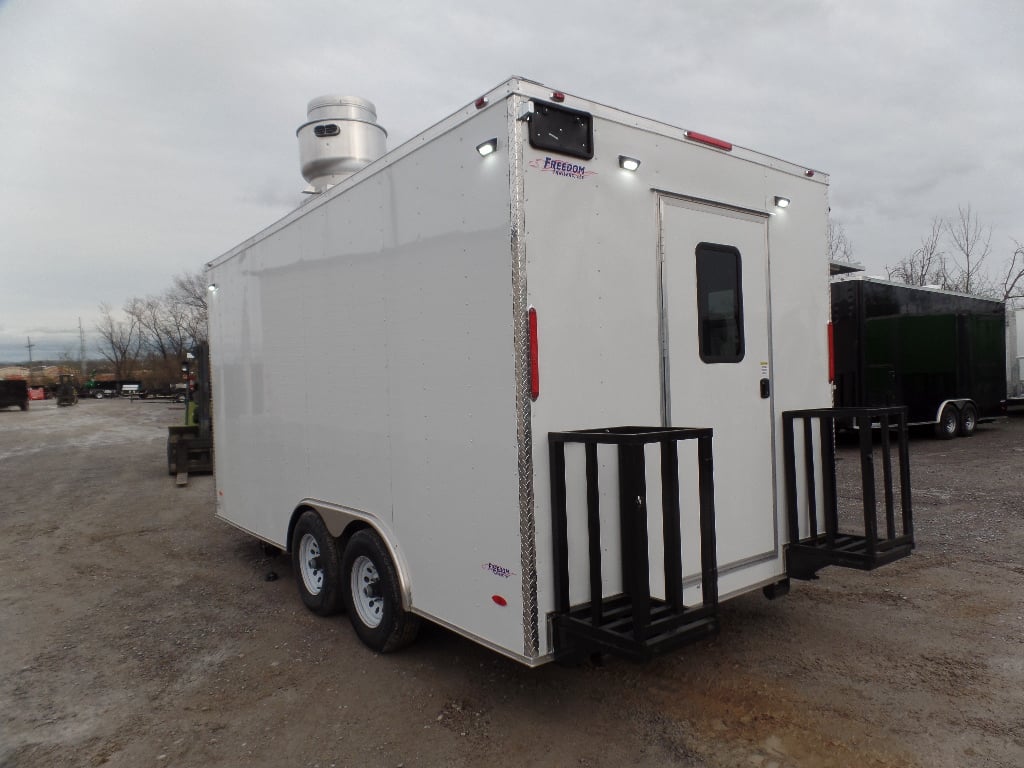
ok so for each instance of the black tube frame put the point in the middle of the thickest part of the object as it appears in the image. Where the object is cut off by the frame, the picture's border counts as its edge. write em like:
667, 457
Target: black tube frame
871, 549
633, 624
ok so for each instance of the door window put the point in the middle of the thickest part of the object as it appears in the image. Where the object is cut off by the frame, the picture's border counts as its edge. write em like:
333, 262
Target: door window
719, 303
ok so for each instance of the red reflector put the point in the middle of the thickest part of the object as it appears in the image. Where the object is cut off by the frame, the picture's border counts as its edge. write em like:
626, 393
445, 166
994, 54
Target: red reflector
481, 102
534, 357
709, 140
831, 354
558, 96
499, 600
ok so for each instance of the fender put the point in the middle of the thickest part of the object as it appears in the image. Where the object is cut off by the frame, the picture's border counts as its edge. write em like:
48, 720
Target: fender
340, 521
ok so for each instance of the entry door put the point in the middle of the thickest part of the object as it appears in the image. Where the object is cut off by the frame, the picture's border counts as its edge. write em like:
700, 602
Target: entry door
717, 364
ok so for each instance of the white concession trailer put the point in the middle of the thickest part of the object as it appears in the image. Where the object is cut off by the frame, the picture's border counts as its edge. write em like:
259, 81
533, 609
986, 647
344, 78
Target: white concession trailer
525, 376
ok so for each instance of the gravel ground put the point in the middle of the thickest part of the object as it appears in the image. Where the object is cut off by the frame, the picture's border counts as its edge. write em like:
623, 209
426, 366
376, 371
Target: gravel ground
136, 630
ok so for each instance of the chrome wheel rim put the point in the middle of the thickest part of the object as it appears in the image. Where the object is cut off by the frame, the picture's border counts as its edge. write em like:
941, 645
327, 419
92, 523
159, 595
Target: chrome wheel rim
949, 425
309, 564
366, 596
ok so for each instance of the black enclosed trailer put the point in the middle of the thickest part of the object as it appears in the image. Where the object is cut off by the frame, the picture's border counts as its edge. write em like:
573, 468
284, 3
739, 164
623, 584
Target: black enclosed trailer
940, 354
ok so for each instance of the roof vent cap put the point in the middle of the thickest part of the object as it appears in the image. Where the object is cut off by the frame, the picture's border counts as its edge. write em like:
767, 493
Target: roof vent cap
340, 136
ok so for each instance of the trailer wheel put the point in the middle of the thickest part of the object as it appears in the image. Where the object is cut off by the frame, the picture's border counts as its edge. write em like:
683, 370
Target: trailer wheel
949, 423
968, 420
372, 596
316, 563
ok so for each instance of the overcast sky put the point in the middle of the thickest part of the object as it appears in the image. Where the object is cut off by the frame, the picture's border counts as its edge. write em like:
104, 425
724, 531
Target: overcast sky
140, 139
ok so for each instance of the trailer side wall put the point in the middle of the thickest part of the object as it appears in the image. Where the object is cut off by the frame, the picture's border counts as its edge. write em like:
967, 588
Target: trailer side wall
918, 347
363, 356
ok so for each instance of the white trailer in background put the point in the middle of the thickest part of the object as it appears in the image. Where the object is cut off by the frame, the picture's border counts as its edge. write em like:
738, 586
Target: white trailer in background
399, 363
1015, 357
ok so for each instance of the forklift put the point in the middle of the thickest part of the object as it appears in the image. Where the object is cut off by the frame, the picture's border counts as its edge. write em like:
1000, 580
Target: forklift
67, 392
190, 445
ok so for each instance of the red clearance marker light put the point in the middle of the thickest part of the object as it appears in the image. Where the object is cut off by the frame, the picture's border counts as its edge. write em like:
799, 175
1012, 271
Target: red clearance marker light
534, 357
711, 141
499, 600
809, 174
558, 96
481, 102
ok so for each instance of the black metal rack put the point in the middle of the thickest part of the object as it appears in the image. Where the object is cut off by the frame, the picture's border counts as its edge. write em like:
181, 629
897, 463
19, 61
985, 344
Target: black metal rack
866, 549
633, 624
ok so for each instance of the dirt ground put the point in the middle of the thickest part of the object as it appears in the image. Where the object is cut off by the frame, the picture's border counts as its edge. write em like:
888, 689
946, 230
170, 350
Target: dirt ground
136, 630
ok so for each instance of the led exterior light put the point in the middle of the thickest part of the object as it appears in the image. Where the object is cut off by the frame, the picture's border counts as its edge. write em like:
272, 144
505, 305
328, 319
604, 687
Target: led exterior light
487, 147
212, 287
781, 202
628, 163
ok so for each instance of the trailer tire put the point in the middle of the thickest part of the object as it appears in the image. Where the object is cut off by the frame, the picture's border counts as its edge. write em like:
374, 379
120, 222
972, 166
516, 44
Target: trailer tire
949, 423
317, 566
968, 420
372, 597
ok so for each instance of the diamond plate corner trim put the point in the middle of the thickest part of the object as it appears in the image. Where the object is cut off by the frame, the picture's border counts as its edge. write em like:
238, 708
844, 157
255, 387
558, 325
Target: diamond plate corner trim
524, 432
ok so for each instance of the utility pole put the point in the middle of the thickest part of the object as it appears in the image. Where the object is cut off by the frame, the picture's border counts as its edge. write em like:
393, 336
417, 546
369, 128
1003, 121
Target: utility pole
29, 348
81, 347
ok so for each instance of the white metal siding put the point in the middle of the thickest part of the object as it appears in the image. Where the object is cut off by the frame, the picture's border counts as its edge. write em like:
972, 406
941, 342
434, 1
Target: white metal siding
593, 277
363, 356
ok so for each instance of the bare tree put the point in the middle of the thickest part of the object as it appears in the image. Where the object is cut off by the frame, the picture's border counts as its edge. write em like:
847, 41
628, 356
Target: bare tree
189, 293
971, 246
839, 246
166, 325
149, 315
120, 341
172, 323
1013, 278
927, 264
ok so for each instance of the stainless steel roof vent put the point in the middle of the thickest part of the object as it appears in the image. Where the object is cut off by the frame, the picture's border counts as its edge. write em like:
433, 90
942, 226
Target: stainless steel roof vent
339, 137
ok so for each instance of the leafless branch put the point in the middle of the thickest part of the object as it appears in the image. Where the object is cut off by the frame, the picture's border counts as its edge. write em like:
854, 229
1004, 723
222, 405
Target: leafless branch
839, 246
1013, 277
971, 246
927, 264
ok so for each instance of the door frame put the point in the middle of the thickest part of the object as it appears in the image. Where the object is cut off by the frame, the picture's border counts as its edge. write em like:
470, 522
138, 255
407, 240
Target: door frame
714, 207
702, 205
